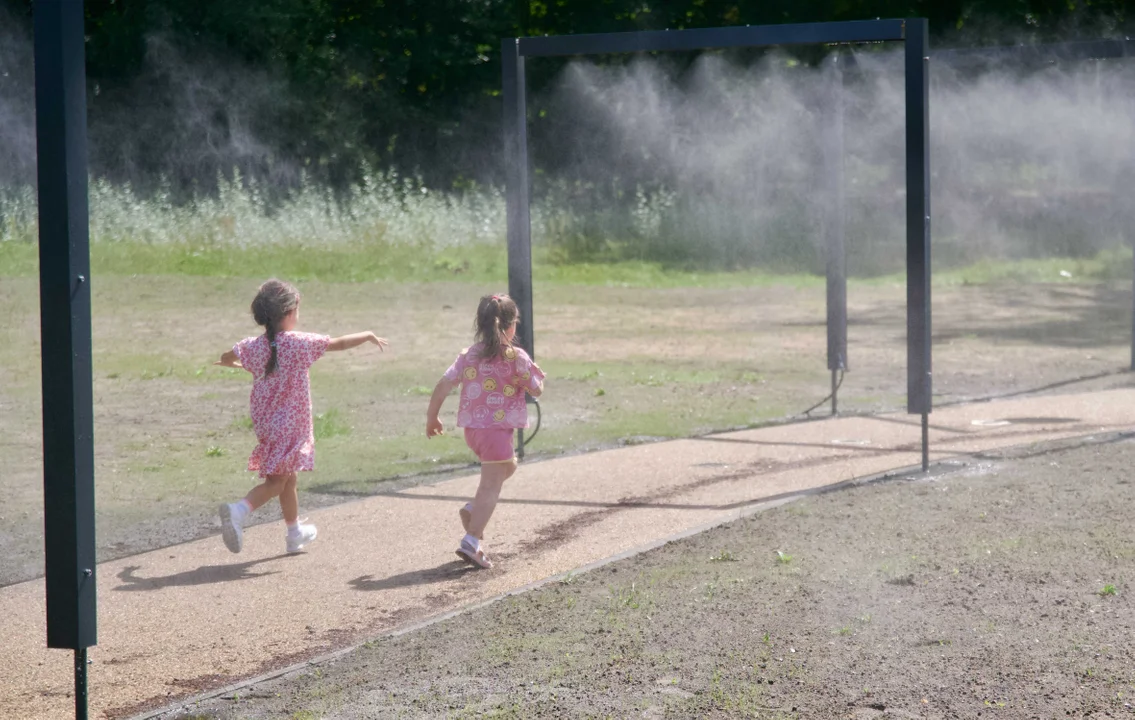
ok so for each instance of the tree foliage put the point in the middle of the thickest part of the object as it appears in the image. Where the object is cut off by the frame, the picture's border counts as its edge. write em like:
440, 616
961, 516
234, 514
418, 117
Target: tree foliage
326, 85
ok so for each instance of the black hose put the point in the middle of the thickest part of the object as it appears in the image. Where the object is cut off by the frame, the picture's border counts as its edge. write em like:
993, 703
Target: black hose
536, 429
524, 441
829, 397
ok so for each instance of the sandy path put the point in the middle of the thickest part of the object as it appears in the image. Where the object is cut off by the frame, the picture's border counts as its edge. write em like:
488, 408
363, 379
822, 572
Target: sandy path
184, 619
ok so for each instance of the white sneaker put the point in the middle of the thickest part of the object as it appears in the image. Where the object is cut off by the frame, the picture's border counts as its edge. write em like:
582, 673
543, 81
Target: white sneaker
231, 519
300, 536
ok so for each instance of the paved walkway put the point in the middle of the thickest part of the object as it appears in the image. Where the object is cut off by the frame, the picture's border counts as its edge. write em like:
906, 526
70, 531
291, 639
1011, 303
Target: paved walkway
181, 620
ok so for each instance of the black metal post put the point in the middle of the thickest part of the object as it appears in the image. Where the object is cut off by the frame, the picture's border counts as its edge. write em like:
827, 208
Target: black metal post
925, 442
833, 224
81, 684
517, 197
918, 219
517, 191
65, 328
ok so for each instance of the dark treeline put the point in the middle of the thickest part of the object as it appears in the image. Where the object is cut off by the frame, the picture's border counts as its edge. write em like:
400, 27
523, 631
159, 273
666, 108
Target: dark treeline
187, 89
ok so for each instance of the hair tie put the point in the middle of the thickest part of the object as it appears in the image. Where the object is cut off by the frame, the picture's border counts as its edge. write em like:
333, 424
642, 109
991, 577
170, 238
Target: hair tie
497, 298
272, 344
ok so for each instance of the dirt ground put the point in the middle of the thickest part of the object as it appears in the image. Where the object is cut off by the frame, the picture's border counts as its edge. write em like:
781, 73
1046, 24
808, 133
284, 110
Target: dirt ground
626, 365
1003, 586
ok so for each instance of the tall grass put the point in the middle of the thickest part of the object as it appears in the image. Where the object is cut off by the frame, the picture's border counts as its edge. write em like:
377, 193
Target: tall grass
393, 227
383, 209
388, 226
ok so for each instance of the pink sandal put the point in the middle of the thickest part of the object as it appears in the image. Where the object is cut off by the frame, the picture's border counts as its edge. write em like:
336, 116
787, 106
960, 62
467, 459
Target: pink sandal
474, 555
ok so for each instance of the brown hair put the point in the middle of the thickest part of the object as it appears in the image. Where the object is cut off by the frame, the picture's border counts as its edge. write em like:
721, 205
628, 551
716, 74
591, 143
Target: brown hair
495, 314
272, 303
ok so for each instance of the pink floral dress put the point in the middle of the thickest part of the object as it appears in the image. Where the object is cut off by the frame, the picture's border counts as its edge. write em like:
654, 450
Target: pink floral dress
281, 402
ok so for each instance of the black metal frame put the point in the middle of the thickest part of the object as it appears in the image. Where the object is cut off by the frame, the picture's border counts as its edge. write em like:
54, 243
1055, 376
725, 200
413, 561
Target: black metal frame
915, 36
1040, 54
834, 230
833, 226
65, 328
833, 160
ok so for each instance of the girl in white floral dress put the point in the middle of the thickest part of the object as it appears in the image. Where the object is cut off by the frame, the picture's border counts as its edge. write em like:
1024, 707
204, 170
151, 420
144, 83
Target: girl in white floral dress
281, 408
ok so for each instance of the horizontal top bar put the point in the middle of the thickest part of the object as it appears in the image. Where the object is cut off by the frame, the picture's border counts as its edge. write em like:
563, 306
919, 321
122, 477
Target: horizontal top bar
1084, 50
707, 38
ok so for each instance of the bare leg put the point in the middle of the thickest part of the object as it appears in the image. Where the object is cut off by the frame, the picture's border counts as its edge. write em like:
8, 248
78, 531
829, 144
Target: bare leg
493, 476
289, 500
233, 515
272, 486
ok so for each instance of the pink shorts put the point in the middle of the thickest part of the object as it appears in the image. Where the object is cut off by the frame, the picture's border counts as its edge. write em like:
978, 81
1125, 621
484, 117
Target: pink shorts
492, 445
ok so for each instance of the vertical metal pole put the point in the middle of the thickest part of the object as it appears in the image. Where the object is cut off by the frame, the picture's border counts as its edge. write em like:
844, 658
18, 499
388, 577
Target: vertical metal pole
1133, 301
925, 442
517, 196
917, 216
917, 59
833, 224
80, 682
65, 331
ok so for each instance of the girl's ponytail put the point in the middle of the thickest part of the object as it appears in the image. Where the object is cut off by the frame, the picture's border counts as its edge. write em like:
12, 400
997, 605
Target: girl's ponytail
273, 361
495, 314
272, 303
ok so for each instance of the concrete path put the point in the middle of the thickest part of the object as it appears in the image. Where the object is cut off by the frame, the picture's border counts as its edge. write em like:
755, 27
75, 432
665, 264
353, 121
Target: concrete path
185, 619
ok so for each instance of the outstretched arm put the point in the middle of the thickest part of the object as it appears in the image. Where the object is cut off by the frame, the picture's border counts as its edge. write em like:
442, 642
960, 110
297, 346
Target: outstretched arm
536, 389
346, 342
441, 391
229, 359
535, 386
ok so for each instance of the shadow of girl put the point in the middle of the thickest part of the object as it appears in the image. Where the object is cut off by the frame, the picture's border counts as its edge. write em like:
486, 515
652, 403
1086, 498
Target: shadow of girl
205, 575
441, 573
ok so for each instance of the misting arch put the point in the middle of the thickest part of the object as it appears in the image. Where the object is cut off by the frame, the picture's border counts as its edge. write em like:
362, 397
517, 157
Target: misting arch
913, 33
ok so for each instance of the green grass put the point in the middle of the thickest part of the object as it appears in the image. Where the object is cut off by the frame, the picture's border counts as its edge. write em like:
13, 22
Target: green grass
723, 556
1106, 265
487, 263
299, 263
329, 424
643, 353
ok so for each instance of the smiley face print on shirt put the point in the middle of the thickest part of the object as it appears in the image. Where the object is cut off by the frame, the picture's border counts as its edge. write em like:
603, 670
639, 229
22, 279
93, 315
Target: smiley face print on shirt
493, 390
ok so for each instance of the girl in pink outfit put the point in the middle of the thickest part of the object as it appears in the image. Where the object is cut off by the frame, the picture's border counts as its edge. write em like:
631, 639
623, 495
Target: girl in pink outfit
281, 408
493, 376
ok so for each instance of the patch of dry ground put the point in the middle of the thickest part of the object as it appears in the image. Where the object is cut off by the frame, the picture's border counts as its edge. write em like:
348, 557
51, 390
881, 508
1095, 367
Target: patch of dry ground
1003, 588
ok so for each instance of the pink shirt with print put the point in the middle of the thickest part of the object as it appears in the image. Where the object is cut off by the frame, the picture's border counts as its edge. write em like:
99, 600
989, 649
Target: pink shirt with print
492, 391
281, 402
